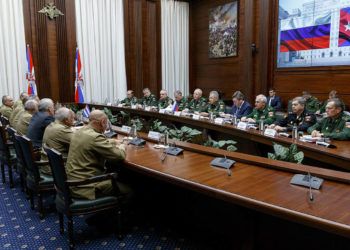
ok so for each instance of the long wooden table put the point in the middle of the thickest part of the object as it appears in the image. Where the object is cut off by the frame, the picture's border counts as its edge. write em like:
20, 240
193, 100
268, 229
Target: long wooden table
255, 182
338, 157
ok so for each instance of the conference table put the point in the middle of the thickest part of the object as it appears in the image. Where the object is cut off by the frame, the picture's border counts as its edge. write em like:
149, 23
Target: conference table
253, 182
250, 141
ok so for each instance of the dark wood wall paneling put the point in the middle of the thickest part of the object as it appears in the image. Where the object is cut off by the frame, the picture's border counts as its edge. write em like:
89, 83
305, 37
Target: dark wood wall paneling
53, 45
142, 43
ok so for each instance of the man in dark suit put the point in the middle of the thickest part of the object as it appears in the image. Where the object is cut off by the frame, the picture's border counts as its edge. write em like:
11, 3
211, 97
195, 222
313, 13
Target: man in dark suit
273, 100
40, 121
240, 107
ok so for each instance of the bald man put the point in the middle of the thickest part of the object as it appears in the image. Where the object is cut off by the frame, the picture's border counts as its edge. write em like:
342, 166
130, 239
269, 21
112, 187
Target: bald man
89, 149
198, 103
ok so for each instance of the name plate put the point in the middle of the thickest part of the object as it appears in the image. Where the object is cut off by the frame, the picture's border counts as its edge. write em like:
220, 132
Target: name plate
154, 135
126, 129
120, 105
177, 113
242, 125
270, 132
195, 117
133, 106
109, 104
148, 108
219, 121
162, 111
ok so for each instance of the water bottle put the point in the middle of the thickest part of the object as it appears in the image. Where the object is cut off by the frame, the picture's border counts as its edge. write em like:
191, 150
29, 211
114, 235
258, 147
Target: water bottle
166, 138
235, 120
133, 131
211, 116
261, 125
295, 132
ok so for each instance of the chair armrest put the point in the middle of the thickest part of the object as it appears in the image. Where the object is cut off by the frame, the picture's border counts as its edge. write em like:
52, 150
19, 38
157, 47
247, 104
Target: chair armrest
99, 178
9, 143
41, 163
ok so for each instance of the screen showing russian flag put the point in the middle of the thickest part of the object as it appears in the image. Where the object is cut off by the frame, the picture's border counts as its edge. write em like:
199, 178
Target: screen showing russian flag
313, 33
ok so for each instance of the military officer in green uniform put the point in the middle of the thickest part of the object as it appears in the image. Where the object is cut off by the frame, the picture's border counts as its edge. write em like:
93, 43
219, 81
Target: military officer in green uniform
7, 106
299, 117
19, 102
180, 101
332, 94
214, 106
148, 98
58, 135
334, 125
130, 99
198, 103
30, 108
89, 149
261, 112
18, 107
164, 100
312, 103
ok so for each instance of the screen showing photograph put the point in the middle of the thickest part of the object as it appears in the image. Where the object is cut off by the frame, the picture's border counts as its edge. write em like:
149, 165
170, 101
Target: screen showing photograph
313, 33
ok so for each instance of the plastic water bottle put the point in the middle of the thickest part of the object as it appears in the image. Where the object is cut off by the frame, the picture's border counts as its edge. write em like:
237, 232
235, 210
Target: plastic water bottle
295, 132
235, 120
261, 125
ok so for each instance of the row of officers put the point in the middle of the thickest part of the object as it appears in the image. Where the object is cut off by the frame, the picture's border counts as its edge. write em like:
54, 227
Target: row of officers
304, 109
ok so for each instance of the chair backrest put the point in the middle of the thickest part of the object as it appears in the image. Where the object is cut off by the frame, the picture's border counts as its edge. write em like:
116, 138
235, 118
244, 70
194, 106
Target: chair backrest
2, 139
59, 174
11, 132
4, 121
18, 149
29, 158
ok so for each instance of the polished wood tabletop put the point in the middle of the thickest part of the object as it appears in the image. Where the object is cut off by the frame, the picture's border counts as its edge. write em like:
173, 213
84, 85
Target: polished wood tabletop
254, 182
338, 157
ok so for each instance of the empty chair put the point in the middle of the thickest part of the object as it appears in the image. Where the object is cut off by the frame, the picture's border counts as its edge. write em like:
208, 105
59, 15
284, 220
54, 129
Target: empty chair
66, 205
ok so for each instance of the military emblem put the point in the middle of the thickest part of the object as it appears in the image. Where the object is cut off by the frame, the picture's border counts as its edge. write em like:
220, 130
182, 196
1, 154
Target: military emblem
51, 11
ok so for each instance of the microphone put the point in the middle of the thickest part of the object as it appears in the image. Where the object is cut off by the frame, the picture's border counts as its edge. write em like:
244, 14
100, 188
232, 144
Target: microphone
311, 196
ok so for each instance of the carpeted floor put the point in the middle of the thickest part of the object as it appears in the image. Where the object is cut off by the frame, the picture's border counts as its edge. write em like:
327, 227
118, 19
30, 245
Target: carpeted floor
21, 228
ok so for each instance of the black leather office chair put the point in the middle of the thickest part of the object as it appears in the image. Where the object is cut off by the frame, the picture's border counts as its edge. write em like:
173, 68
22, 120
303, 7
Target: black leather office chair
66, 205
7, 156
37, 183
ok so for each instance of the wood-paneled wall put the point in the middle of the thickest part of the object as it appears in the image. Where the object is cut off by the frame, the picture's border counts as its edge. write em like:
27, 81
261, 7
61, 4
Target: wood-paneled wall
53, 45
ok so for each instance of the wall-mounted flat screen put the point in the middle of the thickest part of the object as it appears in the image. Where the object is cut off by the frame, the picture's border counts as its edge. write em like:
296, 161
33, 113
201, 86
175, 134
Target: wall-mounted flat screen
313, 33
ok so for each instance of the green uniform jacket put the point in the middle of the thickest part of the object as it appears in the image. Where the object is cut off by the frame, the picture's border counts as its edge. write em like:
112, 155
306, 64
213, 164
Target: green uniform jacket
312, 104
181, 105
215, 108
87, 154
23, 123
17, 110
333, 128
17, 103
162, 104
57, 136
6, 111
197, 105
129, 101
267, 114
149, 101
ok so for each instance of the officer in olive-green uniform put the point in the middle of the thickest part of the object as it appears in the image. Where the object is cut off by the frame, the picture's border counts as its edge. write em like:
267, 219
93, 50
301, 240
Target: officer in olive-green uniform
130, 99
31, 107
299, 117
334, 125
198, 103
58, 135
214, 105
148, 98
20, 100
89, 149
312, 104
180, 101
261, 112
7, 106
164, 100
332, 94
